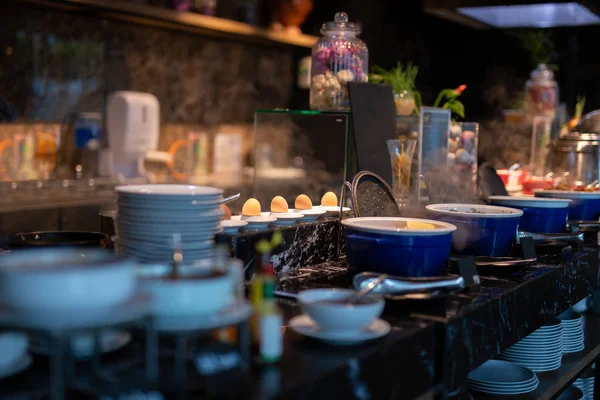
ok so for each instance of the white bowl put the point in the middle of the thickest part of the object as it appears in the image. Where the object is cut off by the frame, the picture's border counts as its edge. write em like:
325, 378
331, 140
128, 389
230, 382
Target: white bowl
232, 226
13, 346
474, 210
536, 202
289, 218
65, 279
395, 226
333, 209
195, 293
339, 317
312, 214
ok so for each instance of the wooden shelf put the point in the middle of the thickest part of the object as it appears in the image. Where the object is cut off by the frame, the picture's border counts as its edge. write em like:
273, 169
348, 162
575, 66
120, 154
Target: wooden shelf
179, 20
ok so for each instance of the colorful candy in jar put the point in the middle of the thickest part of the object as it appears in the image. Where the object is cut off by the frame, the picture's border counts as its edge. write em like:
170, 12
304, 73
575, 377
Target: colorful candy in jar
335, 62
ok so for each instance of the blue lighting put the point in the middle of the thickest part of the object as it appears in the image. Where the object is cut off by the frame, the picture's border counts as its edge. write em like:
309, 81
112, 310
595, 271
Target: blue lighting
546, 15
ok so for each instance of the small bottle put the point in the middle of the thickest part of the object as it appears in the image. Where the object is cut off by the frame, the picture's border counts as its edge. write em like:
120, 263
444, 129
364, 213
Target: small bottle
270, 323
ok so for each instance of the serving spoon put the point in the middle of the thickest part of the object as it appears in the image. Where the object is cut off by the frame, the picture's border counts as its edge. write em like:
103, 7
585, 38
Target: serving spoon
366, 289
231, 198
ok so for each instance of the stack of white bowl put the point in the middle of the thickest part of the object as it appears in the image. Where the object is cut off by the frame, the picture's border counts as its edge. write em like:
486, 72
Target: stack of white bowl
585, 383
150, 216
573, 336
502, 378
540, 351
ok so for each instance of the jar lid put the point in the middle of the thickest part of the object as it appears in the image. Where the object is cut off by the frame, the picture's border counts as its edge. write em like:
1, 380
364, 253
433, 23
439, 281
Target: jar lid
542, 72
340, 23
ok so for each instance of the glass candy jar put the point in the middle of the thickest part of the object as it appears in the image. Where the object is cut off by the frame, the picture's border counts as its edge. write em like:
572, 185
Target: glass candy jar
338, 57
541, 93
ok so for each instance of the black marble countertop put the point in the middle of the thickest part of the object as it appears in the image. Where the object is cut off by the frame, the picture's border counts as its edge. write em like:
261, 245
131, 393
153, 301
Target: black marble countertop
432, 346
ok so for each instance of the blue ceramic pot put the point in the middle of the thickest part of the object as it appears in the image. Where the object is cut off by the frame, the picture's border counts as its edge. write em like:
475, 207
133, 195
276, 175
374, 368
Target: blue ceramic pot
584, 206
387, 245
539, 215
481, 230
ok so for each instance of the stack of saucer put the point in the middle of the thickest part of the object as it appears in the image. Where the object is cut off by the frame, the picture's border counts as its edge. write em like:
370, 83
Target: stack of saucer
148, 217
502, 378
585, 383
540, 351
573, 337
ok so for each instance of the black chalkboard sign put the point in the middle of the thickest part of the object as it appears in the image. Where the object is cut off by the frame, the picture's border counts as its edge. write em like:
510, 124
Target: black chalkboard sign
373, 122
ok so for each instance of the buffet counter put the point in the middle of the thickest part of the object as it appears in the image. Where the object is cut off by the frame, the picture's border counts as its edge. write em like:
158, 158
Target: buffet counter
432, 347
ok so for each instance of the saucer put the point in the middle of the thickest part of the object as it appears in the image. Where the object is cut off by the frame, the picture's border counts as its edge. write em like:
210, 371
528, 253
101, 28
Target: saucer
232, 226
289, 218
16, 367
312, 214
305, 326
333, 209
231, 315
261, 222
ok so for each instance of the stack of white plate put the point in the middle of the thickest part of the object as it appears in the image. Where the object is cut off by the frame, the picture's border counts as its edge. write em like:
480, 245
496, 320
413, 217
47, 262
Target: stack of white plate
148, 217
540, 351
573, 337
502, 378
585, 383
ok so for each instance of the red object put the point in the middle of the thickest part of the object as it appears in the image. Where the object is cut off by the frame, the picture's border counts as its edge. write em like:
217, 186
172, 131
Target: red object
535, 182
460, 89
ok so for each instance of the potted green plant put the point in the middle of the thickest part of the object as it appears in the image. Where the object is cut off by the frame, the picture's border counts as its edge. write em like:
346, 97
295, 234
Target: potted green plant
402, 80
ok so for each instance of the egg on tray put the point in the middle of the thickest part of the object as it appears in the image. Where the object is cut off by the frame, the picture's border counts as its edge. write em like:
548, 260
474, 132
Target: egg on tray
279, 205
329, 199
251, 208
226, 212
303, 202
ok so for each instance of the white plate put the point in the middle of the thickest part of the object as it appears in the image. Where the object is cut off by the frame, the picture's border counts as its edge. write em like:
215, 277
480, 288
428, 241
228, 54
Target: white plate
130, 310
389, 225
305, 326
497, 372
169, 190
546, 359
126, 235
474, 211
505, 391
535, 202
166, 245
13, 346
255, 222
555, 351
286, 218
334, 209
82, 345
310, 215
19, 365
541, 367
232, 315
231, 226
574, 349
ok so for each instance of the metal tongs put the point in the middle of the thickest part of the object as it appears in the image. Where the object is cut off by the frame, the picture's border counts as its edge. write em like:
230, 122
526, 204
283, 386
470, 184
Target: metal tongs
395, 285
550, 236
575, 226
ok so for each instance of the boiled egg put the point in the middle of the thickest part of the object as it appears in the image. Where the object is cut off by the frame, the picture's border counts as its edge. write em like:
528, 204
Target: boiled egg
251, 208
329, 199
279, 205
303, 202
